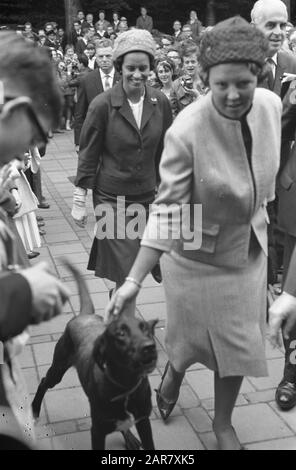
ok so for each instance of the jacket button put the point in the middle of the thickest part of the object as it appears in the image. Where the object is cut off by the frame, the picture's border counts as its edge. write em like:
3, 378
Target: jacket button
138, 167
139, 150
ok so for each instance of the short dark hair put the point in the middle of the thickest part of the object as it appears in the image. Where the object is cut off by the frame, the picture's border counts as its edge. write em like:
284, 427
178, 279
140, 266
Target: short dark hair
85, 30
83, 59
30, 67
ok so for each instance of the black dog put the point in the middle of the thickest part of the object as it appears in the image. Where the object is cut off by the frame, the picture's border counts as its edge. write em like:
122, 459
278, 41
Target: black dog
112, 365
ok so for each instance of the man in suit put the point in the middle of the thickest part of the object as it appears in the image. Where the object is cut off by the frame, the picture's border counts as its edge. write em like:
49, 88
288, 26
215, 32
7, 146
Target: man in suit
286, 392
271, 17
94, 83
144, 21
83, 41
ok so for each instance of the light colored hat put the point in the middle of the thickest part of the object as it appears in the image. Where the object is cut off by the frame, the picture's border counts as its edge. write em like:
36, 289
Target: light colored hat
135, 40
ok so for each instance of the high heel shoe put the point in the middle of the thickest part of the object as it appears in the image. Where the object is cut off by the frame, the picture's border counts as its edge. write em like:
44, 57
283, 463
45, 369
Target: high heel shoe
165, 406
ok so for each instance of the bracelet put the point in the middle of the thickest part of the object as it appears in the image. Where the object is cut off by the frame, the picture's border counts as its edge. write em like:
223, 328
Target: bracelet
131, 279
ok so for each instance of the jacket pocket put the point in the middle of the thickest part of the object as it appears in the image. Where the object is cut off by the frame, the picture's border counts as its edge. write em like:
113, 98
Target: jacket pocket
210, 234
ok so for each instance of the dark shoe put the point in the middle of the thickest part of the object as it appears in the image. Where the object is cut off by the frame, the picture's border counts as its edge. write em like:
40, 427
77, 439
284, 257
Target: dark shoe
58, 131
42, 232
39, 218
165, 407
285, 395
41, 224
33, 254
43, 205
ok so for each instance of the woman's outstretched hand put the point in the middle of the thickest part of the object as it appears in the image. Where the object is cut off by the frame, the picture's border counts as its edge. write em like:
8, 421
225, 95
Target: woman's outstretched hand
122, 298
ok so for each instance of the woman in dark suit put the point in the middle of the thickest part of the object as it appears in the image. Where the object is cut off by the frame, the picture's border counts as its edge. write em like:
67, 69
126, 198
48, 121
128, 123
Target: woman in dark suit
222, 154
120, 148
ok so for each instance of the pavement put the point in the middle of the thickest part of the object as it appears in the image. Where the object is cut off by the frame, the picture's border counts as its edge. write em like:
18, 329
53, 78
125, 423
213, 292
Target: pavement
65, 420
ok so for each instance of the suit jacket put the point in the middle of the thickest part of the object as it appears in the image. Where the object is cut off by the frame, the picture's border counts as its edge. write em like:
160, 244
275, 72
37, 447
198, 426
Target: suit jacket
205, 163
90, 86
145, 23
287, 177
80, 47
286, 62
115, 155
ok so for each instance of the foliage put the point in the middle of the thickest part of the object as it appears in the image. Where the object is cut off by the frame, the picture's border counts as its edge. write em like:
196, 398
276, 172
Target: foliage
164, 12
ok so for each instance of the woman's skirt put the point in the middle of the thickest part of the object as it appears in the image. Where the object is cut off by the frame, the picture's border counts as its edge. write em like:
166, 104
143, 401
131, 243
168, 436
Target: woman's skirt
119, 227
216, 316
27, 227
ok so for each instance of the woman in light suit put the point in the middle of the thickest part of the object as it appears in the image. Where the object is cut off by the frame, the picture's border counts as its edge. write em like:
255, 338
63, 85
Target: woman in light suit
221, 154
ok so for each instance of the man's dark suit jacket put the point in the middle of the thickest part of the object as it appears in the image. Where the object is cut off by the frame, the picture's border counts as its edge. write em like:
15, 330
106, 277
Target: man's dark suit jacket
80, 47
90, 86
286, 62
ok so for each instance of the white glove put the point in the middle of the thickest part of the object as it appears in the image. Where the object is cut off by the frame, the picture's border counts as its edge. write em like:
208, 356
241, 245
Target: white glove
79, 212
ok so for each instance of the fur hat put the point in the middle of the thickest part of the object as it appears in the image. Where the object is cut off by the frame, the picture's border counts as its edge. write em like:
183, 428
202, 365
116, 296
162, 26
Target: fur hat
134, 40
233, 40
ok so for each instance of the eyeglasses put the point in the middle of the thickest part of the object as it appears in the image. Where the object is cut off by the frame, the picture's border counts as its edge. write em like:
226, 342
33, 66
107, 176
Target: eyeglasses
11, 103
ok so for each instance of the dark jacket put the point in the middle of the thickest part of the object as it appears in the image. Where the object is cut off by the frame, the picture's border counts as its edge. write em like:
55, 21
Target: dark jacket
115, 155
90, 86
145, 23
286, 62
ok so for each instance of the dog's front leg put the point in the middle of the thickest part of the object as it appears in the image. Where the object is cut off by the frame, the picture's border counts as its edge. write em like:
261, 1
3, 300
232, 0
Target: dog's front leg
98, 436
145, 432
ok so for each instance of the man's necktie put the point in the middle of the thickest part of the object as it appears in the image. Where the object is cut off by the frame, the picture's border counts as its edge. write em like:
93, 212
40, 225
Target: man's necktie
270, 75
107, 82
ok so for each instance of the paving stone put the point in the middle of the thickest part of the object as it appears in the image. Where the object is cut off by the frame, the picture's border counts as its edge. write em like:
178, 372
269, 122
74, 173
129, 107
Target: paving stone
44, 352
269, 426
68, 403
209, 441
38, 338
57, 229
199, 419
208, 403
63, 427
100, 301
168, 435
56, 325
65, 273
72, 258
289, 417
45, 444
84, 424
187, 398
60, 237
31, 379
275, 368
69, 380
153, 311
263, 396
276, 444
65, 248
73, 441
26, 358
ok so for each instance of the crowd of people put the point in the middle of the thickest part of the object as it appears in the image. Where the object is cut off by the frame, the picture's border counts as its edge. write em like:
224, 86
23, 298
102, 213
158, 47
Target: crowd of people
204, 116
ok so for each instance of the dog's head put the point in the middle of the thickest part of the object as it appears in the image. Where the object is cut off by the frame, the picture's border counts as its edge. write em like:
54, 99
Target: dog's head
127, 342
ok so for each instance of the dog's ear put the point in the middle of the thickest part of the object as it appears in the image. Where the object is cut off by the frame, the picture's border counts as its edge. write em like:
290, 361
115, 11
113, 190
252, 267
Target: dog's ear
152, 324
99, 351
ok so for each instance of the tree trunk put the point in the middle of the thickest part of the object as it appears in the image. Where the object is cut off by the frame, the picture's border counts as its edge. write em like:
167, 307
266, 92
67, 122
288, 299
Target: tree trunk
211, 18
